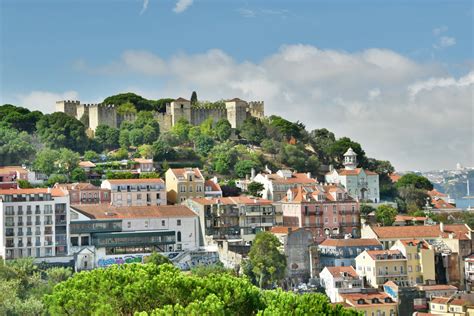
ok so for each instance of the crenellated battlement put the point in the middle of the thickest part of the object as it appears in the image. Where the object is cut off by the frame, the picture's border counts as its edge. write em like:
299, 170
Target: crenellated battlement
235, 110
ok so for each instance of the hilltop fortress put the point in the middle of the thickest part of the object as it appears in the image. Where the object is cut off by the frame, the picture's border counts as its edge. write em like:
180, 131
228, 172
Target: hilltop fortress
235, 111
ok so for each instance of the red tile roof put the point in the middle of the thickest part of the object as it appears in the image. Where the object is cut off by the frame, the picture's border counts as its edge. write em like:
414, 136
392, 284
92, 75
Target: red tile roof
423, 232
350, 242
414, 243
404, 218
356, 171
435, 192
181, 171
78, 186
440, 300
232, 200
142, 160
296, 178
54, 192
113, 212
9, 169
394, 177
337, 271
441, 204
86, 164
214, 186
309, 194
133, 181
283, 229
353, 299
374, 253
437, 287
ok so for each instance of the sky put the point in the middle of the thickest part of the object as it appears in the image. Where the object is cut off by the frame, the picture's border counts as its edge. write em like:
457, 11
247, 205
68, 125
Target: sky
395, 76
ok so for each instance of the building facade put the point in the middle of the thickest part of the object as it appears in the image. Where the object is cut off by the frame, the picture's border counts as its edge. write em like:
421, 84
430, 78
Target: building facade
235, 217
338, 280
34, 223
361, 184
380, 266
325, 210
136, 192
276, 185
85, 193
183, 184
342, 252
102, 232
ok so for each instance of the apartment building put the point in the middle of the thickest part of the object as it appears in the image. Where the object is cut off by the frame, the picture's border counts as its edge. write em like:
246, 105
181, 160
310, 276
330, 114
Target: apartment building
183, 184
34, 223
136, 192
420, 260
276, 185
326, 210
371, 303
85, 193
450, 306
436, 290
236, 217
102, 233
342, 252
380, 266
338, 280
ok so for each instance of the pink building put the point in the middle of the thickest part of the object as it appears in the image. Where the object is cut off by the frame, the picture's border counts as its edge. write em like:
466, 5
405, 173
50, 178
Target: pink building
85, 193
9, 175
325, 210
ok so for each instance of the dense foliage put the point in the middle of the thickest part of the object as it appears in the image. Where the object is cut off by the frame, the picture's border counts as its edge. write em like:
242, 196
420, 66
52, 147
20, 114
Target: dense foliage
164, 290
23, 285
140, 103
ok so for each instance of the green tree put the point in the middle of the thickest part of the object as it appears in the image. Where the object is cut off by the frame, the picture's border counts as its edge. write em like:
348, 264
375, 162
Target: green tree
414, 180
124, 139
15, 147
46, 161
207, 127
223, 129
413, 198
146, 151
244, 167
286, 128
126, 108
24, 184
119, 154
157, 258
91, 155
162, 150
255, 189
253, 130
68, 160
78, 175
60, 130
385, 214
269, 264
365, 210
19, 118
56, 178
85, 119
223, 157
136, 137
194, 98
321, 140
204, 144
181, 130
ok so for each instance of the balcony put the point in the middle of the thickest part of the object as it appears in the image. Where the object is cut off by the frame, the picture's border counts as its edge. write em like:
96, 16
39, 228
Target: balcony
345, 212
392, 274
48, 243
20, 223
29, 233
29, 223
10, 234
11, 224
37, 222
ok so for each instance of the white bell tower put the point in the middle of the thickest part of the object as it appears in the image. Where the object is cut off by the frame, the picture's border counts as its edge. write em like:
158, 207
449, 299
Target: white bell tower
350, 159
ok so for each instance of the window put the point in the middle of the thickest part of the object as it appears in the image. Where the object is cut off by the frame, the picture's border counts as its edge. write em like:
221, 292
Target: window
158, 196
190, 188
335, 220
162, 223
139, 196
178, 237
178, 222
410, 269
74, 241
306, 210
146, 224
198, 188
326, 220
129, 224
182, 188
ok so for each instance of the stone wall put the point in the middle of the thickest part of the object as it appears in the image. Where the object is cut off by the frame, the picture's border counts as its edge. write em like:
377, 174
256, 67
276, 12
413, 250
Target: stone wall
200, 115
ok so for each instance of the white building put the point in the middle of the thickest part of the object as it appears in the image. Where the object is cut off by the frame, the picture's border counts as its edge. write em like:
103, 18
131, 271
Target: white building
212, 189
338, 280
361, 184
102, 233
276, 185
136, 192
33, 223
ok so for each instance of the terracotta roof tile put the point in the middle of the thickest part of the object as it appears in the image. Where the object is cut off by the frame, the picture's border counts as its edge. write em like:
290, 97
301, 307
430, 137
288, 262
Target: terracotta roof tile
142, 160
440, 300
283, 229
353, 299
374, 253
232, 200
181, 171
350, 242
337, 271
437, 287
214, 186
54, 192
104, 211
435, 192
86, 164
296, 178
441, 204
423, 232
132, 181
356, 171
402, 218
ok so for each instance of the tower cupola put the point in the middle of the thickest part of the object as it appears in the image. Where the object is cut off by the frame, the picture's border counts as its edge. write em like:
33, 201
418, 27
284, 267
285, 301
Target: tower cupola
350, 159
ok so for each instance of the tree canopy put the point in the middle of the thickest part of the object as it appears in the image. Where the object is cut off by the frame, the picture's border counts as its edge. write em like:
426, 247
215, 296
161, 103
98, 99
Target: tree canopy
414, 180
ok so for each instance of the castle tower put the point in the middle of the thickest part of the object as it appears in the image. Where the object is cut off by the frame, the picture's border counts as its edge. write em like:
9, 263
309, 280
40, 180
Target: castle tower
180, 108
68, 107
236, 112
350, 159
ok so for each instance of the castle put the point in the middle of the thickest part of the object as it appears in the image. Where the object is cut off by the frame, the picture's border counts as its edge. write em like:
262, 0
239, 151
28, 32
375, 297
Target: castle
235, 111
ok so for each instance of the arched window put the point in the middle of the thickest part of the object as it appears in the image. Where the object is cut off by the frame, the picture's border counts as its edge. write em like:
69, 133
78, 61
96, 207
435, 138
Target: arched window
178, 237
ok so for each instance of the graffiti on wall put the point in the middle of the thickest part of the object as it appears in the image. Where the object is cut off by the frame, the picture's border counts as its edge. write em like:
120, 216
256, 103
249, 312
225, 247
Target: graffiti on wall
105, 262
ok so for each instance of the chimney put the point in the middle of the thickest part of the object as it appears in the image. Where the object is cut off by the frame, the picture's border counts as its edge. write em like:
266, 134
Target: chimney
441, 227
308, 174
252, 174
331, 168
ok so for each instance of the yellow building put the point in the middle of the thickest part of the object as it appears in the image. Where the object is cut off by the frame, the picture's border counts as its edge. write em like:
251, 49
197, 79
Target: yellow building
449, 306
376, 303
380, 266
183, 184
420, 260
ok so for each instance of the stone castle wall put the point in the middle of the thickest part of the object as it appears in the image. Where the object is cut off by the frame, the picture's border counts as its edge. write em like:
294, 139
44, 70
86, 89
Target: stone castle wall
103, 114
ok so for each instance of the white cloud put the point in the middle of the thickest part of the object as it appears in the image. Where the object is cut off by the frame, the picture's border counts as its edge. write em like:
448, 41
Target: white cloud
182, 5
446, 41
439, 30
247, 13
414, 114
144, 6
44, 101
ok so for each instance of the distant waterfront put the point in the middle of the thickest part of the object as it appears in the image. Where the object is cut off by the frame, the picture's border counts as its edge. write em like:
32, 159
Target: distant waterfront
464, 203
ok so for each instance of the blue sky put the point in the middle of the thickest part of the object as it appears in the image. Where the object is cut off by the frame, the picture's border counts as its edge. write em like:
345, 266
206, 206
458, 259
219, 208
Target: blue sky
91, 49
